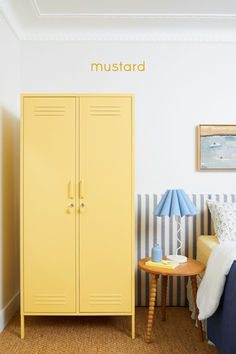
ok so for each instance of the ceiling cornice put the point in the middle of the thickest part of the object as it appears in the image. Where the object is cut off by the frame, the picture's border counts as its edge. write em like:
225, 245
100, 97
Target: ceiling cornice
10, 18
158, 39
153, 35
169, 16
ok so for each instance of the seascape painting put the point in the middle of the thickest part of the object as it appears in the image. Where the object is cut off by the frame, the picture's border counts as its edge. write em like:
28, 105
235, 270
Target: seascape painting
217, 147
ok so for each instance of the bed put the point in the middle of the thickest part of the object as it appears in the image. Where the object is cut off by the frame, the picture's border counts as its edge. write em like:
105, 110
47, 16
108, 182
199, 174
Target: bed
222, 324
205, 245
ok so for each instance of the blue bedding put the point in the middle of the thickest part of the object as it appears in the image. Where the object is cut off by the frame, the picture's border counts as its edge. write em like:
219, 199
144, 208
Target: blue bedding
221, 326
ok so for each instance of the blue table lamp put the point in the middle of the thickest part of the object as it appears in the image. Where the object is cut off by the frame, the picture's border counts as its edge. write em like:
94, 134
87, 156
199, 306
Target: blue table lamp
175, 202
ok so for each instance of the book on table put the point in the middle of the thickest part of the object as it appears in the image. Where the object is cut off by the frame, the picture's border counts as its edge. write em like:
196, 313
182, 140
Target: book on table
171, 265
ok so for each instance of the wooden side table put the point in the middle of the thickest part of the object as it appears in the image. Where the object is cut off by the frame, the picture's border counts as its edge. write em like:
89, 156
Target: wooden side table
189, 269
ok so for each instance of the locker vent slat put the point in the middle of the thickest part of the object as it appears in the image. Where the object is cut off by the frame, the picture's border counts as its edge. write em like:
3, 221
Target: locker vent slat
49, 111
105, 299
104, 111
50, 299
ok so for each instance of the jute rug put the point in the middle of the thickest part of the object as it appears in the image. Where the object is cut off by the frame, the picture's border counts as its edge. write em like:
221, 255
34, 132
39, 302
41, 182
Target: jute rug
70, 335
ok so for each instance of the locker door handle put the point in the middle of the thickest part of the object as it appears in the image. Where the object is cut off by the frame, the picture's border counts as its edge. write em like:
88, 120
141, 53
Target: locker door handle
71, 190
81, 207
70, 208
81, 189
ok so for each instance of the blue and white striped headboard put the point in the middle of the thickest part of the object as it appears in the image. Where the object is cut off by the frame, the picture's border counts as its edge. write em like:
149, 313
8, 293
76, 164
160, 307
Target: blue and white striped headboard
150, 229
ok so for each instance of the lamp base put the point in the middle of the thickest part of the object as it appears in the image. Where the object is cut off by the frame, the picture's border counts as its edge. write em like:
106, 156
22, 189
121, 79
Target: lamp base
177, 258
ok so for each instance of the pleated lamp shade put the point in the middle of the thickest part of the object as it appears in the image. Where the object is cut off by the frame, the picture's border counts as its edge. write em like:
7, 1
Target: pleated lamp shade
175, 202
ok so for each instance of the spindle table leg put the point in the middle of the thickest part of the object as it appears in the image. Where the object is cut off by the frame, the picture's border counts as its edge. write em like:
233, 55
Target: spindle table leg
163, 296
151, 306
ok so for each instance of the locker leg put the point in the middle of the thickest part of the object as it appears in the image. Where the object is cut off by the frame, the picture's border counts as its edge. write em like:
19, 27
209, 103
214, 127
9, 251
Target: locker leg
133, 326
22, 326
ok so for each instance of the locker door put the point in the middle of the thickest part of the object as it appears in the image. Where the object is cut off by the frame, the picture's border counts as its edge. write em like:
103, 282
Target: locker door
49, 221
105, 191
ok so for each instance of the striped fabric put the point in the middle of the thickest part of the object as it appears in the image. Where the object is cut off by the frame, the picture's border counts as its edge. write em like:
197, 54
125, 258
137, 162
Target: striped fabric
150, 229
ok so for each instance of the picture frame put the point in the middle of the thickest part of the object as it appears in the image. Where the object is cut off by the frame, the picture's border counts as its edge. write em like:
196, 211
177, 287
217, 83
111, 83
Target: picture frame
216, 147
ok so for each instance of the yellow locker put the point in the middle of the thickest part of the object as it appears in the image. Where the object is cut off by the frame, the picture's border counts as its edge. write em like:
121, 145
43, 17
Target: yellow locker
49, 223
77, 207
105, 222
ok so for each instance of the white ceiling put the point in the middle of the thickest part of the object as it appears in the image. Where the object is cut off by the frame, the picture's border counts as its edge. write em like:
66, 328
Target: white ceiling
211, 20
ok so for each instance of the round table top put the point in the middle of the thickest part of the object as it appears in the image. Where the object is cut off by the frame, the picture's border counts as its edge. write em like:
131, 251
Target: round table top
191, 267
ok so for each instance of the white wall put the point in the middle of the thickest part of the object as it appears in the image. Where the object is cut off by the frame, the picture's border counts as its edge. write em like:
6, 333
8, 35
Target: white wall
185, 84
9, 173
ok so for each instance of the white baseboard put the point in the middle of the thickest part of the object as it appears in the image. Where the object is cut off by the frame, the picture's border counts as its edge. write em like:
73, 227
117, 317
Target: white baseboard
9, 311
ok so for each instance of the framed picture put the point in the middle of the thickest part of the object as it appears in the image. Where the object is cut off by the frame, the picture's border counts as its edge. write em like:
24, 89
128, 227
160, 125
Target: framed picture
216, 147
